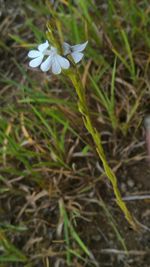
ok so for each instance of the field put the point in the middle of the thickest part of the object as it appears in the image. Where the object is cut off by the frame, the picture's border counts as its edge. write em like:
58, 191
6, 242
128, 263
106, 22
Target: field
74, 155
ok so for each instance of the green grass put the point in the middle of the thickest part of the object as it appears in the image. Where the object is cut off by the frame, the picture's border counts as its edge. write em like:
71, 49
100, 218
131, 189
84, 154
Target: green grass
47, 156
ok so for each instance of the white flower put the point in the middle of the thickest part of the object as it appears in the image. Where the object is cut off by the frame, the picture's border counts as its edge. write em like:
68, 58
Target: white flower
38, 55
74, 51
53, 61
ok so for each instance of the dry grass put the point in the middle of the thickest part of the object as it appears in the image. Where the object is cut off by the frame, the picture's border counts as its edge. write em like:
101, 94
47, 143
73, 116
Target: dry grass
57, 205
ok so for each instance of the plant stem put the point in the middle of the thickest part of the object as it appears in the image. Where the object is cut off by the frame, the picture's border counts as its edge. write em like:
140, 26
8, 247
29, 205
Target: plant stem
83, 109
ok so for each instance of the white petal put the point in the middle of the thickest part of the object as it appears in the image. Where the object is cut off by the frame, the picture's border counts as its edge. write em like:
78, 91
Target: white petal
34, 53
47, 64
63, 62
43, 47
36, 62
77, 56
66, 48
79, 47
56, 68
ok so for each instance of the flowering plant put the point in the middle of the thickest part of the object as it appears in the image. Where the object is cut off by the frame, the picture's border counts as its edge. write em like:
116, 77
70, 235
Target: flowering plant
56, 63
53, 60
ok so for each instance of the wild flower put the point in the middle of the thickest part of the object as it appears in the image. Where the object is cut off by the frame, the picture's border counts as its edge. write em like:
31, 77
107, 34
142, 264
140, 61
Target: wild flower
53, 60
74, 51
38, 55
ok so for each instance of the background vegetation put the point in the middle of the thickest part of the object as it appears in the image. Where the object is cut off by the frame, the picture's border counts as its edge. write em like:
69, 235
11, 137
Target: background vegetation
57, 205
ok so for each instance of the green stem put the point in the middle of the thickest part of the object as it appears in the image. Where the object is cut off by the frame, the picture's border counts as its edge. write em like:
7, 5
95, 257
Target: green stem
75, 79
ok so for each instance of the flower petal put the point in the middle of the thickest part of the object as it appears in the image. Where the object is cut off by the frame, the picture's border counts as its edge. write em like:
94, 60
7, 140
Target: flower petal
56, 68
34, 53
36, 62
66, 48
77, 56
79, 47
47, 64
43, 47
63, 62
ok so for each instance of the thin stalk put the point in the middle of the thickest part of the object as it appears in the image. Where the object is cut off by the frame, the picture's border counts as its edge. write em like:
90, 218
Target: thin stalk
83, 109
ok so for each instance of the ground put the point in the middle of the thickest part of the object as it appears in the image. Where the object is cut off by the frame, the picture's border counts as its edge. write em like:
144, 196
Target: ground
57, 205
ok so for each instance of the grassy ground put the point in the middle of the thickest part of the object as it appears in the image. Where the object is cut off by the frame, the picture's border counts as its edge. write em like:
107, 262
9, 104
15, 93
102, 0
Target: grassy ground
57, 204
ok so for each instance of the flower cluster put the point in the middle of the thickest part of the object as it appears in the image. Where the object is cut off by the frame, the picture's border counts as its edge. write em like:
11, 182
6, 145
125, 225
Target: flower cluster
47, 57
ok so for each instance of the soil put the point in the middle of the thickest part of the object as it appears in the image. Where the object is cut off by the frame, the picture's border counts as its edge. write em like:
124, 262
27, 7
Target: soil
135, 182
96, 231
